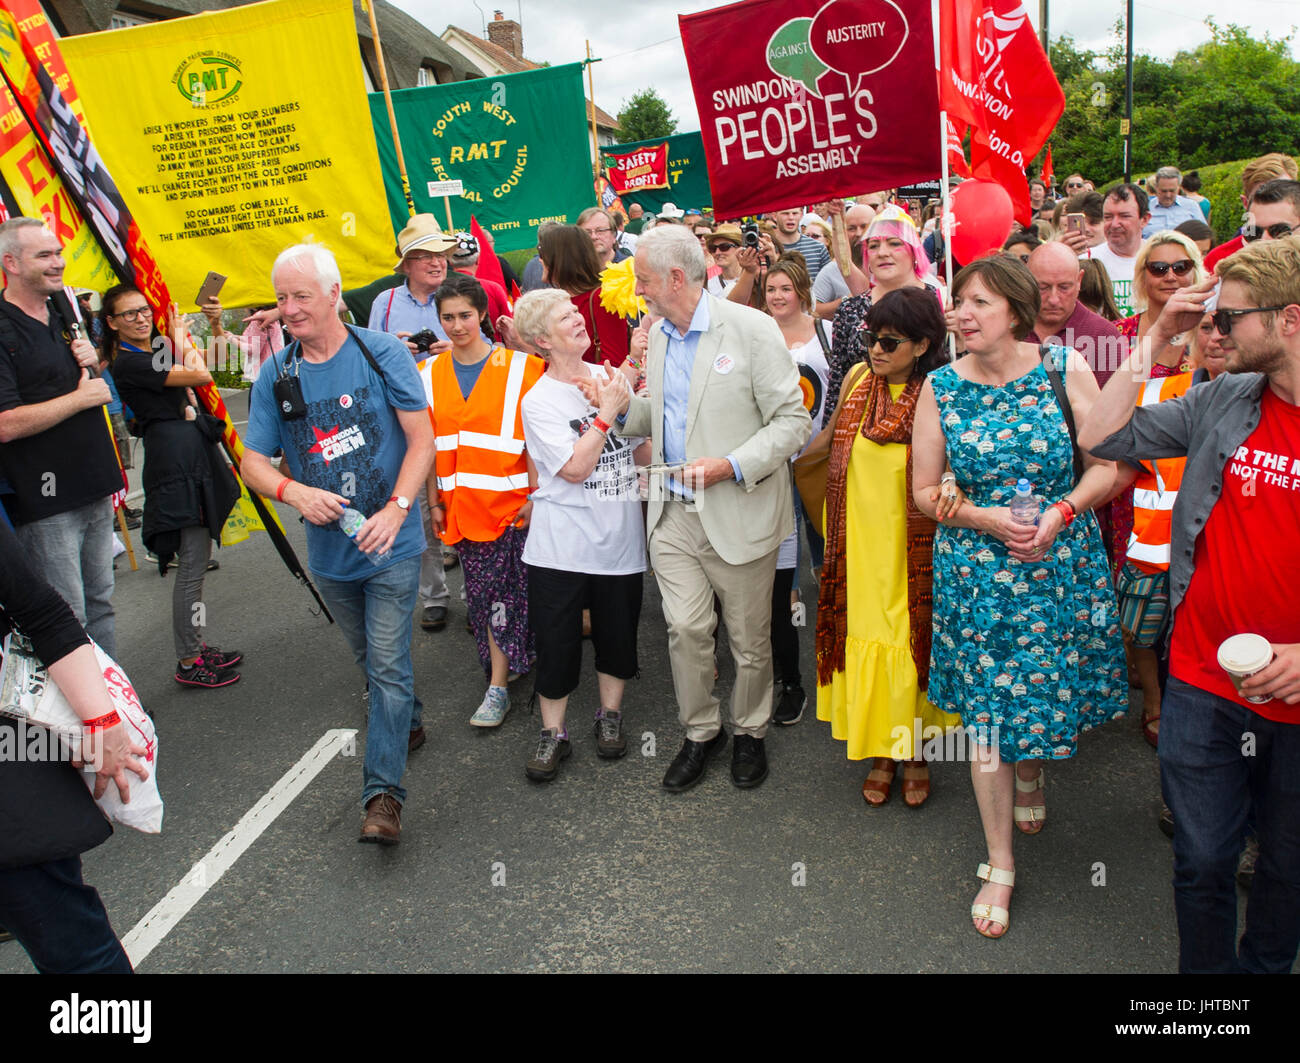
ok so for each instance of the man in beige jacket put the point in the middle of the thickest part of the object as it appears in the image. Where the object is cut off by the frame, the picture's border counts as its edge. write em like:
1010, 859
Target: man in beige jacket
724, 408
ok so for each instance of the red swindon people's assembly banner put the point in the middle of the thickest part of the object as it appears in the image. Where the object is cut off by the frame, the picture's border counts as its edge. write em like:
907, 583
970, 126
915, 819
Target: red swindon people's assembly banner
805, 100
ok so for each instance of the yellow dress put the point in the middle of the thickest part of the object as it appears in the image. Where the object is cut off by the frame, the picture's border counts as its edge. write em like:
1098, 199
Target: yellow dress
874, 704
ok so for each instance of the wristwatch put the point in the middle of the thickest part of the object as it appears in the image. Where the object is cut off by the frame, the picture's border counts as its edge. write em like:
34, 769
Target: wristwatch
403, 503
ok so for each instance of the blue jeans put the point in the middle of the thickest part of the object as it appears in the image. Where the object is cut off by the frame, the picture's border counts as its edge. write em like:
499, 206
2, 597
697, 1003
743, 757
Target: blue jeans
60, 920
74, 552
374, 615
1211, 777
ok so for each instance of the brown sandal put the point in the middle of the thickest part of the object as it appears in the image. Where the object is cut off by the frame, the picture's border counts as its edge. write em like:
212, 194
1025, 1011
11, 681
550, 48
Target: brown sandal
916, 780
878, 781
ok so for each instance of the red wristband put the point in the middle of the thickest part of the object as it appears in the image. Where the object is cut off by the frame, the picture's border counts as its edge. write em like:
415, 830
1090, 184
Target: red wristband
279, 491
102, 723
1066, 510
600, 425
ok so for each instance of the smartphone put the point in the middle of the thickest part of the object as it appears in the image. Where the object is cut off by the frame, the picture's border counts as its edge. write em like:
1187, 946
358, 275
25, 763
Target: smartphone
1074, 223
211, 287
663, 468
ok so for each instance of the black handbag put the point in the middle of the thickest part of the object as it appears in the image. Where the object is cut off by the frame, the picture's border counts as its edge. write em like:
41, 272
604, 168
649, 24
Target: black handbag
46, 810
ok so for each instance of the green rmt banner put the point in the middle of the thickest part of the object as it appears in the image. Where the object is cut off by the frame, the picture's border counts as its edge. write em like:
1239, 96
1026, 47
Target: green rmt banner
518, 143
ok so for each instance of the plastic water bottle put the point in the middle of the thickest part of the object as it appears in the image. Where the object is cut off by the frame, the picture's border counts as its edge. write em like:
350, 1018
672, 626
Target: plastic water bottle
1024, 506
351, 522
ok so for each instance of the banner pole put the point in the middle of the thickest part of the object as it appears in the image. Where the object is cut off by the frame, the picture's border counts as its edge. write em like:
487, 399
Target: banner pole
591, 102
945, 229
392, 118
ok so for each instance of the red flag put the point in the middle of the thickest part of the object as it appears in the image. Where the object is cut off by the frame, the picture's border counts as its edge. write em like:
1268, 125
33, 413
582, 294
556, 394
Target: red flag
995, 77
489, 268
1048, 174
956, 152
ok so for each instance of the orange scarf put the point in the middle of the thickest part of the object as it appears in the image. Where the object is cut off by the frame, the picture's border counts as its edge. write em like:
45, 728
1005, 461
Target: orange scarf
881, 419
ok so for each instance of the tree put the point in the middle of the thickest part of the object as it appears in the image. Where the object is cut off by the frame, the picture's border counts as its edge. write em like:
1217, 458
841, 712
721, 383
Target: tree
646, 117
1232, 97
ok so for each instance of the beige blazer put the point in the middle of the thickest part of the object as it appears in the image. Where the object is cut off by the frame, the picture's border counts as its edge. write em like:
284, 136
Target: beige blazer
745, 402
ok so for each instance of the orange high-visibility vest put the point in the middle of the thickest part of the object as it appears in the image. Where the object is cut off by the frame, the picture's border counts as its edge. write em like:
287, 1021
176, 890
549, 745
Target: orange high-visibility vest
1154, 495
482, 471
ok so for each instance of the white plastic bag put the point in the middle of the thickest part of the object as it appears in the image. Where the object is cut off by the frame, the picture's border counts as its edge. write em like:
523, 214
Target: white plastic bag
27, 693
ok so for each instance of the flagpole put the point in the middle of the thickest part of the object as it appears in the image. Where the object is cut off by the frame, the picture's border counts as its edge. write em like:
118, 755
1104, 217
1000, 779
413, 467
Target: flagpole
591, 91
369, 8
945, 217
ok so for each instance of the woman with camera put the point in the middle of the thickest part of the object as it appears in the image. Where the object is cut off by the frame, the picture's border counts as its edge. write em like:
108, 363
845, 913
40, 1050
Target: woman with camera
481, 481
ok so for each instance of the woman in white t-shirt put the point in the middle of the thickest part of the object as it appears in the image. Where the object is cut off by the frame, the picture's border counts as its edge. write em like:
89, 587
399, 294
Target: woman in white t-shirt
586, 542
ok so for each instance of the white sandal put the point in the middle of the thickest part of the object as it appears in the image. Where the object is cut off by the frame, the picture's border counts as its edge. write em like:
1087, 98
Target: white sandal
992, 912
1030, 813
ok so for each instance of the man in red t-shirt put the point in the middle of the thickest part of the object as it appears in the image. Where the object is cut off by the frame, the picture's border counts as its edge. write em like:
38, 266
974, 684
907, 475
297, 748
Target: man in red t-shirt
1234, 567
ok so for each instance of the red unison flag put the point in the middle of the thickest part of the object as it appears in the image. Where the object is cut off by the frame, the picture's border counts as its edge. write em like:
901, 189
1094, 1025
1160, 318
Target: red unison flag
994, 77
804, 100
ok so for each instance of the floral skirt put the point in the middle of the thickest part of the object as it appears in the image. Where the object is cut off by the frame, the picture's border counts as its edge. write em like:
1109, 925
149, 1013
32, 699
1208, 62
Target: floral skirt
496, 591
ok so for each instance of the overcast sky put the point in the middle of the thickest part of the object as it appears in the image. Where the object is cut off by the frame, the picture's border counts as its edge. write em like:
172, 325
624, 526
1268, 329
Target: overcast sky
639, 43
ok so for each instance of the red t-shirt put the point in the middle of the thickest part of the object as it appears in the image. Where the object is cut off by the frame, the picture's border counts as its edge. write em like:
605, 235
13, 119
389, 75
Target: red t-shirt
1247, 559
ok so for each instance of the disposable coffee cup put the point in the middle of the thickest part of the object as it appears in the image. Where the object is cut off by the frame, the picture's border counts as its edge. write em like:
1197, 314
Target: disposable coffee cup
1241, 656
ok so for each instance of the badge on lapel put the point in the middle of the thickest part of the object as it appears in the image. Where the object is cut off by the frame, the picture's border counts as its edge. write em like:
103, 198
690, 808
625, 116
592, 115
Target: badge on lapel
724, 364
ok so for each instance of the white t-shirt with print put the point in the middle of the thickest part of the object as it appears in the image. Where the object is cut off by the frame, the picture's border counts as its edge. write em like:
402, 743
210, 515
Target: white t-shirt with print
1120, 268
594, 526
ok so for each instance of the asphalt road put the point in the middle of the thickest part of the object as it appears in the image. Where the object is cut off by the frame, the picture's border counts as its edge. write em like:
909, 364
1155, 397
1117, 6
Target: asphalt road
600, 870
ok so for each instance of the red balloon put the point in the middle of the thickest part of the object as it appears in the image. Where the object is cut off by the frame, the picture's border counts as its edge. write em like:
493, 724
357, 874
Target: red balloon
982, 218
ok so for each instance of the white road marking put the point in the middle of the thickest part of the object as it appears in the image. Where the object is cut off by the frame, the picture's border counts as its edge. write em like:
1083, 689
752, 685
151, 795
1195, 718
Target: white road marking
158, 923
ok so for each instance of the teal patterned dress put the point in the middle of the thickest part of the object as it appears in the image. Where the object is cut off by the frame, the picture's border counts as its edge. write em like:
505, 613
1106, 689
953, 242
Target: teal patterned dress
1029, 654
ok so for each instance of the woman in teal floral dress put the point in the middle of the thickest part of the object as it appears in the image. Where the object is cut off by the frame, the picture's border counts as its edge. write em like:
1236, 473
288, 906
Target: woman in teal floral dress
1026, 630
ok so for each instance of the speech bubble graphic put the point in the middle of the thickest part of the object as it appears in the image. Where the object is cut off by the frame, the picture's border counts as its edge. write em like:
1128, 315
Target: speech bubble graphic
858, 37
790, 55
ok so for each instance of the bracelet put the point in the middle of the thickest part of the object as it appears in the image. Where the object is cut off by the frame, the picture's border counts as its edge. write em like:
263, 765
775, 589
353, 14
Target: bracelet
437, 505
279, 491
599, 424
1066, 511
102, 723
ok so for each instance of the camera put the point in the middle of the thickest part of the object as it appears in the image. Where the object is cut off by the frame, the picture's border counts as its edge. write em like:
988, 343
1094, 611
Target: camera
288, 397
423, 339
749, 233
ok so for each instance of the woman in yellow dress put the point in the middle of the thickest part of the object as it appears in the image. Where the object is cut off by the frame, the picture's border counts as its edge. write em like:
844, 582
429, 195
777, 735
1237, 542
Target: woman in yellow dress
873, 613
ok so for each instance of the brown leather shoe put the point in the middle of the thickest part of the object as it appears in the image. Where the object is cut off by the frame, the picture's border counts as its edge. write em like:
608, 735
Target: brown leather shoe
383, 822
415, 739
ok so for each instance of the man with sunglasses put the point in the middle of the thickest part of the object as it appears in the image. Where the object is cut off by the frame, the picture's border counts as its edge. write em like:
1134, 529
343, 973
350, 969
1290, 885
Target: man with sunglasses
1234, 566
1254, 175
56, 449
1274, 212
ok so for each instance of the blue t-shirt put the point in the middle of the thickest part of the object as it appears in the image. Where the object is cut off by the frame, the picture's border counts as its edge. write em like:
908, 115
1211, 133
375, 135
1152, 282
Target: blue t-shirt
350, 442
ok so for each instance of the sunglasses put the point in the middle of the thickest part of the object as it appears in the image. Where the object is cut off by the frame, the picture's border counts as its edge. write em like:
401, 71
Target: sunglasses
1223, 319
888, 344
723, 245
1181, 268
1278, 231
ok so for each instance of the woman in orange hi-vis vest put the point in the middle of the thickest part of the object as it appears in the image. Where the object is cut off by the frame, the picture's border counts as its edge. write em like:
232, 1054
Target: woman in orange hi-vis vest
1144, 579
479, 486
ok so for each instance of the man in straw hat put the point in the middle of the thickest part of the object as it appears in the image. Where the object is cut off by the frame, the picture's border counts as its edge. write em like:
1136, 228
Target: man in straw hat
406, 311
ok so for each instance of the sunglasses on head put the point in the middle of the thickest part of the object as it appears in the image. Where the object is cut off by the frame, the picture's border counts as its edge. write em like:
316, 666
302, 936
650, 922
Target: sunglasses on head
1278, 231
1181, 268
888, 344
1224, 319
